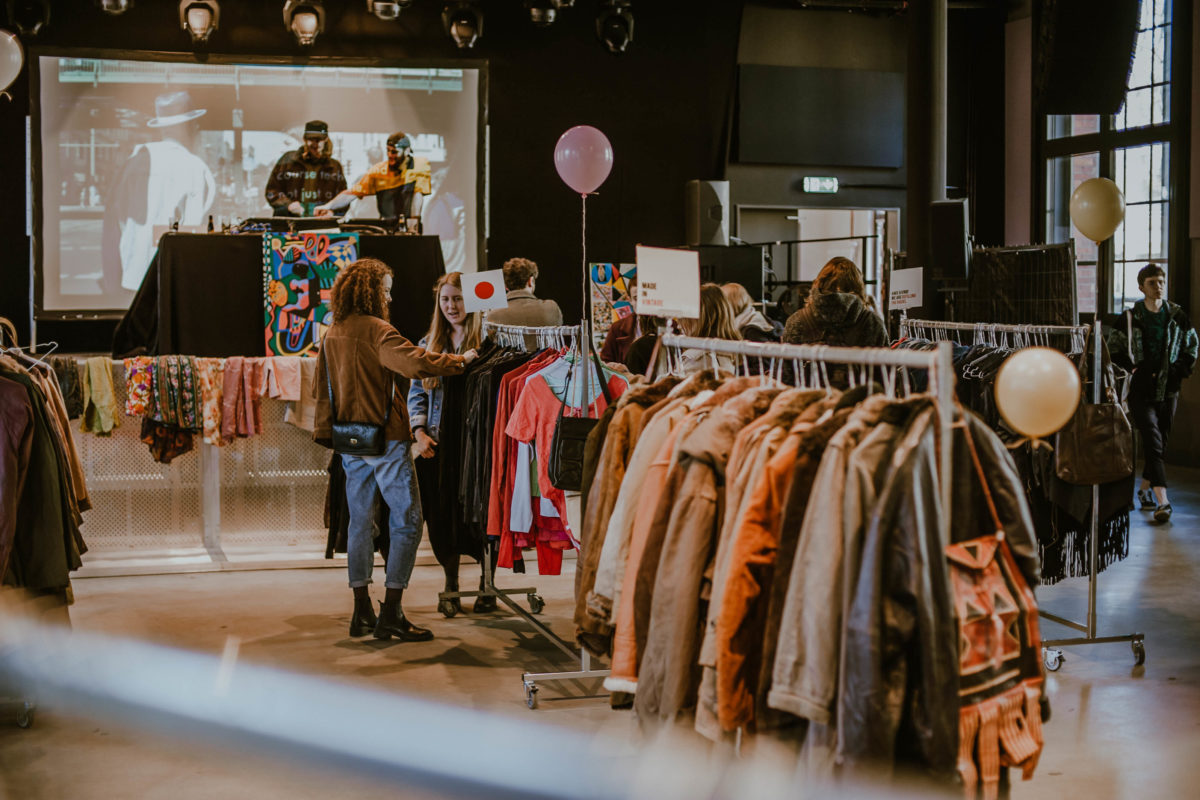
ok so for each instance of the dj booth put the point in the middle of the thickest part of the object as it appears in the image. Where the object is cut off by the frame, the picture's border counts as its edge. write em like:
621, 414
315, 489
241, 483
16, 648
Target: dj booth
203, 294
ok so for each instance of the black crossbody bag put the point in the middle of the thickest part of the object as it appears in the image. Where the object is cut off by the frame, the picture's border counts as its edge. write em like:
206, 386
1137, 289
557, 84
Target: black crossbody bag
359, 438
570, 437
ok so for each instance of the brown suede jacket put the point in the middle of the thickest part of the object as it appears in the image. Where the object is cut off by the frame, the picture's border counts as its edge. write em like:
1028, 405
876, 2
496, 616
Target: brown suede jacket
360, 357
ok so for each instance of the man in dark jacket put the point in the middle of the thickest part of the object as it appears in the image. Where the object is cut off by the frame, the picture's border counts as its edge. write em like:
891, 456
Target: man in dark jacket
1155, 340
306, 178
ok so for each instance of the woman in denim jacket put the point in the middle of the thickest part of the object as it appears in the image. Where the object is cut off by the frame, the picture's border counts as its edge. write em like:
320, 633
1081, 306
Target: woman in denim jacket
452, 330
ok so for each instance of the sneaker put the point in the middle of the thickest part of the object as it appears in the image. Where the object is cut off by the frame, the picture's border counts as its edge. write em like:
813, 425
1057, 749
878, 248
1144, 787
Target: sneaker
1146, 498
1162, 514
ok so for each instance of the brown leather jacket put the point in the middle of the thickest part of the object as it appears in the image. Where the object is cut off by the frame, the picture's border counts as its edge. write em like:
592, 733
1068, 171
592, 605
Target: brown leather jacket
359, 356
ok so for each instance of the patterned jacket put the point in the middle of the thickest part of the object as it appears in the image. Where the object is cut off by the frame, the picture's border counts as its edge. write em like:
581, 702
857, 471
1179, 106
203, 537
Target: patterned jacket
1126, 341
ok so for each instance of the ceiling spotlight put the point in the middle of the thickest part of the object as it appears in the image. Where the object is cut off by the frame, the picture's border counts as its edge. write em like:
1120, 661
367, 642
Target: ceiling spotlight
541, 12
29, 16
614, 25
115, 7
463, 22
199, 18
305, 19
386, 10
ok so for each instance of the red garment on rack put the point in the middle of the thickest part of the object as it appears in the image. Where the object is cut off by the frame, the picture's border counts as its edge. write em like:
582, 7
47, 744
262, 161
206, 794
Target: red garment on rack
534, 419
504, 465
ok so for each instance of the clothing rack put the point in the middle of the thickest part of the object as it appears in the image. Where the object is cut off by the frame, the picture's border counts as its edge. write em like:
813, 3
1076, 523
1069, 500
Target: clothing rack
544, 336
1052, 655
520, 336
998, 335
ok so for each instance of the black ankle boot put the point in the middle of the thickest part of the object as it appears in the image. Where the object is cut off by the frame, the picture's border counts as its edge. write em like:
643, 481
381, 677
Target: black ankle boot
363, 620
392, 622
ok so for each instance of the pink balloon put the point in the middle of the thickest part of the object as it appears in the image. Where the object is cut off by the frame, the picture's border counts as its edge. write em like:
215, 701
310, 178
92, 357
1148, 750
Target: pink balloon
583, 158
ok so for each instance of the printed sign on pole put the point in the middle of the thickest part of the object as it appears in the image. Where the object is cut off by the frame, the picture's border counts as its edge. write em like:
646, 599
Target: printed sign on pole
907, 289
483, 291
668, 282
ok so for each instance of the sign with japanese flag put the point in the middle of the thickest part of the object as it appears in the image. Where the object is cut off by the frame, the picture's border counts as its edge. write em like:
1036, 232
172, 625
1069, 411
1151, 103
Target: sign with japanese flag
483, 291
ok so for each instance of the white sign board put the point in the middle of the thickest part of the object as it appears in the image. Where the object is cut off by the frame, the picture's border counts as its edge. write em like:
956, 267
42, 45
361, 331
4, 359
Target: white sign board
907, 289
668, 282
483, 291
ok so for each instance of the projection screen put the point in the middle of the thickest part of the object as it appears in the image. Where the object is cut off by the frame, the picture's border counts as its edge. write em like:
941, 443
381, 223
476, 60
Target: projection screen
129, 147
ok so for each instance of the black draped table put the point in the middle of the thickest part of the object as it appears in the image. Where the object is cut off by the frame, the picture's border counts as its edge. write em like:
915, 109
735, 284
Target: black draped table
203, 293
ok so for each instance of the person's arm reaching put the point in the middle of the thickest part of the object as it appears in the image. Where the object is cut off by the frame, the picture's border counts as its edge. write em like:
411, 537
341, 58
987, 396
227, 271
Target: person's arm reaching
405, 358
343, 200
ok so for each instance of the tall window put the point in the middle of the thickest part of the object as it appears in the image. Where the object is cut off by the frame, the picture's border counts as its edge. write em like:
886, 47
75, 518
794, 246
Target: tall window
1132, 148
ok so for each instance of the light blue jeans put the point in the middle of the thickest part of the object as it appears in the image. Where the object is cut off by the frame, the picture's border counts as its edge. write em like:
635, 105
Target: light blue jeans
395, 476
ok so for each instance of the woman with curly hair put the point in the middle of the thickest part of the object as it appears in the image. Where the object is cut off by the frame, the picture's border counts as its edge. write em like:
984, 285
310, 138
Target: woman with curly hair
452, 330
360, 357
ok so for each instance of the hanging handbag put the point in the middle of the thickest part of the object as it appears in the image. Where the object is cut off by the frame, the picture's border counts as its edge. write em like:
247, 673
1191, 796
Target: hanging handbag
1096, 446
359, 438
1000, 661
570, 437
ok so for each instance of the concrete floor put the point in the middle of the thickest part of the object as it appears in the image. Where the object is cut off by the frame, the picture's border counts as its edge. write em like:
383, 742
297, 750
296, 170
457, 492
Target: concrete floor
1118, 731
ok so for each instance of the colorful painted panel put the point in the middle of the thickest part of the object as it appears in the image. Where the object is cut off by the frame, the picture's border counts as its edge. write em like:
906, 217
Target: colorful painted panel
612, 295
298, 274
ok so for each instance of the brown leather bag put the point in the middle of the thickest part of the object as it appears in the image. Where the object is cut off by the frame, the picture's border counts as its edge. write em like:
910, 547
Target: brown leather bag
1096, 446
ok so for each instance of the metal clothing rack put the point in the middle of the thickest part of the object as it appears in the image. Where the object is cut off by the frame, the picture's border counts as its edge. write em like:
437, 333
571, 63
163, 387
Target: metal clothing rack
998, 335
1052, 655
520, 336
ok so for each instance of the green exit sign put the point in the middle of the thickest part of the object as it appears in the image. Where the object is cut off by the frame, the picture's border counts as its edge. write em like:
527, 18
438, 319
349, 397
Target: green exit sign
814, 185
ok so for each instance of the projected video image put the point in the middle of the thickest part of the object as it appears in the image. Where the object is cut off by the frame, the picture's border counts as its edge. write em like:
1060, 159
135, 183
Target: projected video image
131, 148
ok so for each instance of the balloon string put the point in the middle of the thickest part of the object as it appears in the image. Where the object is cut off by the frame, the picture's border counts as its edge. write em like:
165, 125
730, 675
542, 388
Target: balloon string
585, 327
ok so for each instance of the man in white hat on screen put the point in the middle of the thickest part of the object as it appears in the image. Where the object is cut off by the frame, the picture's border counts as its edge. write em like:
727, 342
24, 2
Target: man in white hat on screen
162, 182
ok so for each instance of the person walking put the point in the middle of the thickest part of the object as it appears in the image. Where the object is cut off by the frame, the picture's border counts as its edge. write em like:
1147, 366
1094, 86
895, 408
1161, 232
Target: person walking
359, 359
1156, 340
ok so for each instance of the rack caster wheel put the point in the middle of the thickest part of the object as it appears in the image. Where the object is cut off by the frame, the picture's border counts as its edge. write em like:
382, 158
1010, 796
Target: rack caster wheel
536, 603
26, 718
1139, 652
449, 607
1052, 659
531, 692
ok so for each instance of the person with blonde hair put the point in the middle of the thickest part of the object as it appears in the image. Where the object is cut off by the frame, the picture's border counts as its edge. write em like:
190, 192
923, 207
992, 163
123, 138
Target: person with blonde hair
715, 322
452, 330
837, 311
748, 320
360, 357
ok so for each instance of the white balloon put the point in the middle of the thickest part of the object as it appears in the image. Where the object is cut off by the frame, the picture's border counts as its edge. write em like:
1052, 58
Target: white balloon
11, 58
1037, 391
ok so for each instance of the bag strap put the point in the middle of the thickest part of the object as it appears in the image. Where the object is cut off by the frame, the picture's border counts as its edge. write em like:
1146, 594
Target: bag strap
987, 492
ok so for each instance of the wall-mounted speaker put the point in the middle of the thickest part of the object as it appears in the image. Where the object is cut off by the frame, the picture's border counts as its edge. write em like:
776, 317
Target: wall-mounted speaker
707, 213
949, 240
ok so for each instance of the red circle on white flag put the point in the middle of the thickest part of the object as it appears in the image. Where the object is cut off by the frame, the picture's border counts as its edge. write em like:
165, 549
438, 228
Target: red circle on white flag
484, 290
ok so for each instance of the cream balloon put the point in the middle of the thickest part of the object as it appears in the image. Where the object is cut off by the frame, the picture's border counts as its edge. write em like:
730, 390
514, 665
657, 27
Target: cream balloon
1037, 391
1097, 208
11, 58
